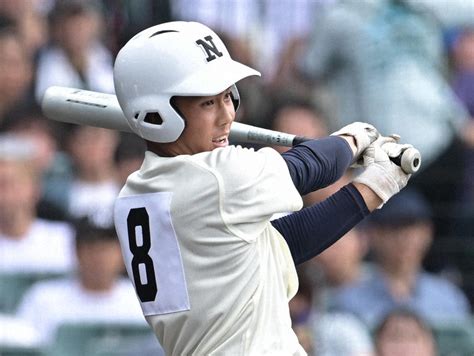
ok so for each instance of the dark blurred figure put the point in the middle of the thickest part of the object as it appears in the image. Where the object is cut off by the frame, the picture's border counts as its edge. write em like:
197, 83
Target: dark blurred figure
463, 84
16, 72
457, 254
125, 18
128, 156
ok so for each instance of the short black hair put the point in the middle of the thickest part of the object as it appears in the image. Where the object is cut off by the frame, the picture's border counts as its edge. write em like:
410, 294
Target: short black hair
288, 99
88, 230
64, 9
130, 146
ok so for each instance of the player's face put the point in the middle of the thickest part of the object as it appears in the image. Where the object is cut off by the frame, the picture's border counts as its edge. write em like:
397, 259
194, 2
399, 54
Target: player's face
208, 121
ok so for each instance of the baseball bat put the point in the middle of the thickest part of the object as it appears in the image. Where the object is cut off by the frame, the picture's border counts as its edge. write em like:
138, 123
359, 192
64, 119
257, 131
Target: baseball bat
85, 107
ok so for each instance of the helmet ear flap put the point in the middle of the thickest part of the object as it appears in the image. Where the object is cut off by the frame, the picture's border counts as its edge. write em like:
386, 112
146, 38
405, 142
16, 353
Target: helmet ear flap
235, 96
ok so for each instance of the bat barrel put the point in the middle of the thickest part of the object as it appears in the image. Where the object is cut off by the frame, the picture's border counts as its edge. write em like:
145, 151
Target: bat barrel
83, 107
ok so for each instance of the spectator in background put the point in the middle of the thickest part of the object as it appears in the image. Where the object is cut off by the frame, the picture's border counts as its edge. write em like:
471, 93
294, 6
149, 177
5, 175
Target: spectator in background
128, 156
30, 22
403, 332
98, 293
53, 165
323, 332
124, 19
298, 115
461, 259
76, 56
462, 52
301, 311
267, 26
384, 62
400, 234
342, 265
94, 187
28, 244
16, 72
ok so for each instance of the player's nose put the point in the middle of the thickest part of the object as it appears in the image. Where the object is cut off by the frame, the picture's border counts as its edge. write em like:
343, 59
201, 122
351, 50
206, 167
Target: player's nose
226, 114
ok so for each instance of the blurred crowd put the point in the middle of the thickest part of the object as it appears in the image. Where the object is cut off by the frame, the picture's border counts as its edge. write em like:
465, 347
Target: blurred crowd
388, 287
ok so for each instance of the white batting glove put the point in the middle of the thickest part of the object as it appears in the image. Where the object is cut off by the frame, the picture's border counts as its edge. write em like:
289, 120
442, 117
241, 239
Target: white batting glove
395, 149
381, 175
364, 134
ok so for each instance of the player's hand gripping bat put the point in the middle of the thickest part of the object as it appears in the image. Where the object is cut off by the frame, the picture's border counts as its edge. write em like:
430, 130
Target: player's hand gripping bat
91, 108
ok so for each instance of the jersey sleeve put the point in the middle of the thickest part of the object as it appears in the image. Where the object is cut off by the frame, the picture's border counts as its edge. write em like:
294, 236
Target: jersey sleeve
315, 164
315, 228
253, 185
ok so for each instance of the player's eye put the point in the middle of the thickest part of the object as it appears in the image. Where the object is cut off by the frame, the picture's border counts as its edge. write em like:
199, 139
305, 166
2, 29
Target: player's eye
228, 95
208, 103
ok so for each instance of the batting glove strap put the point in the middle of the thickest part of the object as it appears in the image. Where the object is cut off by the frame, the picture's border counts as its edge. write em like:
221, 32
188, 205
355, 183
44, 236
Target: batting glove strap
382, 182
364, 134
394, 149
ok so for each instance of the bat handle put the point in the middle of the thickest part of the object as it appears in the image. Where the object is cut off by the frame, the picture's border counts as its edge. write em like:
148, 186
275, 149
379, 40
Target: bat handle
409, 160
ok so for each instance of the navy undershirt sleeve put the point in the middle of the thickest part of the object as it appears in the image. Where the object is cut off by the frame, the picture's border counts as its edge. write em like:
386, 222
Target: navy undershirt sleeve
318, 163
313, 229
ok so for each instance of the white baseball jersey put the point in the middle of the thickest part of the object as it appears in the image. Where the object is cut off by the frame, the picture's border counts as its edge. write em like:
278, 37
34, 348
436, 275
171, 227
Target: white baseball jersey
212, 274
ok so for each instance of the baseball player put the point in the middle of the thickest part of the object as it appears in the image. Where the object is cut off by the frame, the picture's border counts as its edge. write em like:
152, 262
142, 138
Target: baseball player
211, 270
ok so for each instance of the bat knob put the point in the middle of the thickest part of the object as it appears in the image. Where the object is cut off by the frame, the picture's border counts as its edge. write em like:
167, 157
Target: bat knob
410, 160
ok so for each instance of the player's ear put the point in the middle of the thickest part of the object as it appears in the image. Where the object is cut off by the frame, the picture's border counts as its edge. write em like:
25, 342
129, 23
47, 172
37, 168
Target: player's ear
174, 104
234, 94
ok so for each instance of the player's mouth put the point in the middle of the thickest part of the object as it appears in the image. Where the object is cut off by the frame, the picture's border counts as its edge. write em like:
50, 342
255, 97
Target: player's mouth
220, 141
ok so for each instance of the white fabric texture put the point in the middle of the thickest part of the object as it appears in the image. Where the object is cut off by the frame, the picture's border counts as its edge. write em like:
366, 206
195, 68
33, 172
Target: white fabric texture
48, 246
48, 304
54, 68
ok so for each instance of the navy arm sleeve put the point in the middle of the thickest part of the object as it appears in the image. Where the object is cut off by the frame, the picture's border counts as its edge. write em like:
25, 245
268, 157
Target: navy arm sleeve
313, 229
318, 163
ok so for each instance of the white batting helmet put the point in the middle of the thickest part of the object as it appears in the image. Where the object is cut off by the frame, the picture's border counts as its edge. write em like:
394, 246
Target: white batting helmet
171, 59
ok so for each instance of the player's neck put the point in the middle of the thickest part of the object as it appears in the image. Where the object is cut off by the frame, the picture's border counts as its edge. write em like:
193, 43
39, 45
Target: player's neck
163, 149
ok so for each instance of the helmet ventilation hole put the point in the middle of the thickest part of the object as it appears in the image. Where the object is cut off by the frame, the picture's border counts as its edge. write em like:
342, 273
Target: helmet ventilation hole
153, 118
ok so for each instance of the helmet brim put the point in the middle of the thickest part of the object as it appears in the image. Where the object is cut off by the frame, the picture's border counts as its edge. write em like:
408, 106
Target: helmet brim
216, 78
